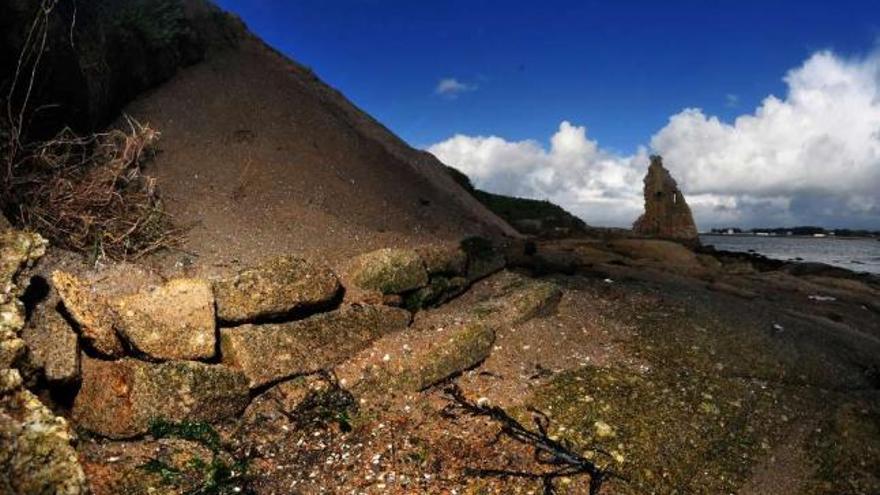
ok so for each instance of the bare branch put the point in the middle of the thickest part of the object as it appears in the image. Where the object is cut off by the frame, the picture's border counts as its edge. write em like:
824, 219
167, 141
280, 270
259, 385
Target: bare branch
547, 450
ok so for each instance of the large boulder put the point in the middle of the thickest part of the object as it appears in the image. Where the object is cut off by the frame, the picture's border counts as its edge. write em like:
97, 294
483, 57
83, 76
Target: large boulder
439, 290
484, 257
667, 214
172, 321
443, 259
276, 288
266, 353
520, 299
36, 455
389, 271
120, 399
660, 254
92, 312
457, 350
53, 346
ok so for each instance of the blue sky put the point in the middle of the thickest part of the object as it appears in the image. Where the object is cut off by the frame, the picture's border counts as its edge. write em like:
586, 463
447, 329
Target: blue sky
767, 112
619, 67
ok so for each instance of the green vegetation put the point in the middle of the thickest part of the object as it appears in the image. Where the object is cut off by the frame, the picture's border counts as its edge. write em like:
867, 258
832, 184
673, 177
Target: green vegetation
160, 24
195, 431
187, 471
320, 407
478, 248
169, 474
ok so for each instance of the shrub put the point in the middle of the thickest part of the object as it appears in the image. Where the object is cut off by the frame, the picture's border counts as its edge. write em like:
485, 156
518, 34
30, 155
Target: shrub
88, 194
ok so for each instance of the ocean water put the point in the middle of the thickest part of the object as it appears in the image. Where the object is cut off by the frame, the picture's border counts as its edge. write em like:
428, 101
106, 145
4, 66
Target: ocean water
860, 255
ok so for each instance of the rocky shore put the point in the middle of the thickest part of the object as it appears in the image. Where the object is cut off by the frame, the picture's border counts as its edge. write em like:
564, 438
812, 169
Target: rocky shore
672, 362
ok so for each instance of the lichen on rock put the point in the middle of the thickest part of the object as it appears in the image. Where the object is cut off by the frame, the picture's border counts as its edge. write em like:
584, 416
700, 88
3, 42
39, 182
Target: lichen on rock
36, 455
443, 259
172, 321
266, 353
463, 348
119, 399
390, 271
277, 287
92, 312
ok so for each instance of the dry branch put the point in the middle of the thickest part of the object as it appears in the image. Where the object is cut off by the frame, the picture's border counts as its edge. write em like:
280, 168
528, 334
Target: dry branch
88, 193
565, 461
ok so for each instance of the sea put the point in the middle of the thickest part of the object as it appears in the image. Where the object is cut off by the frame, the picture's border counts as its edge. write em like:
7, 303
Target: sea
856, 254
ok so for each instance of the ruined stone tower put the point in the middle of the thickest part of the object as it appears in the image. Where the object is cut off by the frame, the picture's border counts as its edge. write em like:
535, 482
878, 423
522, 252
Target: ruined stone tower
667, 214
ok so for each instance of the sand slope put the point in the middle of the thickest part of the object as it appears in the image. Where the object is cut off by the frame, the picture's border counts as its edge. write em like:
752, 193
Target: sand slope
262, 158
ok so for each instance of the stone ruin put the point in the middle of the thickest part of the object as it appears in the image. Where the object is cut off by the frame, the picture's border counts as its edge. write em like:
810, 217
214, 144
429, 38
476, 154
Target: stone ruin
667, 214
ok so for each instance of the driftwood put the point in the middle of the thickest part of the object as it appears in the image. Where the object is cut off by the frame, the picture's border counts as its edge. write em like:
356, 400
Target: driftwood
559, 454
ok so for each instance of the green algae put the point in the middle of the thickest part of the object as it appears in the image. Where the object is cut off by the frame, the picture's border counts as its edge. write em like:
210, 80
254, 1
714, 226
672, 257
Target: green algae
671, 432
703, 403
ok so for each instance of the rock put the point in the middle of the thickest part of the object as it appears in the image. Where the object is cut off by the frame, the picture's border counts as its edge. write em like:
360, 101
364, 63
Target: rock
443, 259
172, 321
710, 262
36, 455
660, 254
522, 299
266, 353
484, 258
390, 271
12, 348
91, 311
439, 290
53, 346
278, 287
461, 349
667, 214
119, 399
286, 397
18, 251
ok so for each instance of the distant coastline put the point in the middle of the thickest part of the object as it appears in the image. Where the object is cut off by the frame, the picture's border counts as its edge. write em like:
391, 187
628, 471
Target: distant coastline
804, 232
792, 236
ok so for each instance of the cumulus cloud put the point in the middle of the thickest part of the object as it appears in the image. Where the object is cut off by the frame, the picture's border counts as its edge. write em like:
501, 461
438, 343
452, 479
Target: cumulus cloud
812, 157
451, 87
574, 172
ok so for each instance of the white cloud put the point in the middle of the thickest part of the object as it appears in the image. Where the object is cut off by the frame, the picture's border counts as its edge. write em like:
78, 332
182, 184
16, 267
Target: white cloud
815, 155
812, 157
573, 172
731, 100
451, 87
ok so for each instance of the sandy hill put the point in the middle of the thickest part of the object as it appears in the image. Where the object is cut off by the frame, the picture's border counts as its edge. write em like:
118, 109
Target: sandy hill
262, 158
257, 155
